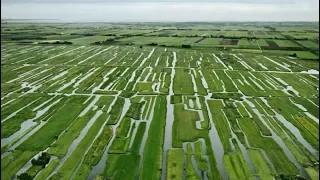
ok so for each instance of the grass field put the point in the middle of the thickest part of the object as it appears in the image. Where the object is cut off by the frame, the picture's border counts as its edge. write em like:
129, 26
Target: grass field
146, 105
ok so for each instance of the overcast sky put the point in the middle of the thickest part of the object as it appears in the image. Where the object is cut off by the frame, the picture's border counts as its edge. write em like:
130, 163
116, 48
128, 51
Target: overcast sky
165, 10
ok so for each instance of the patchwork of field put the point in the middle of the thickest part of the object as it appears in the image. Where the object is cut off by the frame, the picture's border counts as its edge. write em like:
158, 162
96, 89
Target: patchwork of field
130, 112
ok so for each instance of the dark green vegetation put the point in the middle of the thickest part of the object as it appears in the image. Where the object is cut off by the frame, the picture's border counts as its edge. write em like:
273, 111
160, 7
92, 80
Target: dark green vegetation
93, 156
107, 105
152, 159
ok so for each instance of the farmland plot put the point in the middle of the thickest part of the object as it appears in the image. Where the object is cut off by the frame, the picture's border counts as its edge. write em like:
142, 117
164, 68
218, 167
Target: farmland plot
124, 112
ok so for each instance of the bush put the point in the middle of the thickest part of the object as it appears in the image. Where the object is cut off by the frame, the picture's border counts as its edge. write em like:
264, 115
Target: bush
289, 177
24, 176
89, 34
42, 160
293, 55
153, 44
186, 46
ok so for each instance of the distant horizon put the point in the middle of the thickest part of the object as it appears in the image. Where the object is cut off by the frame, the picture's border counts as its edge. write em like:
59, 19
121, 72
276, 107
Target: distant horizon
163, 11
158, 21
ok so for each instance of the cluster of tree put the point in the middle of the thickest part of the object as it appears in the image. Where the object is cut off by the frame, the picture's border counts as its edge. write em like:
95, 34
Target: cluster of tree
271, 28
283, 48
196, 35
27, 38
294, 38
24, 176
153, 44
88, 34
56, 42
208, 30
105, 42
109, 35
166, 35
127, 35
42, 160
170, 29
289, 177
130, 43
186, 46
251, 38
25, 42
48, 34
293, 55
184, 29
62, 42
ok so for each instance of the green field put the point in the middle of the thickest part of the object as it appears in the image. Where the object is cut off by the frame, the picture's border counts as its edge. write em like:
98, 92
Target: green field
234, 105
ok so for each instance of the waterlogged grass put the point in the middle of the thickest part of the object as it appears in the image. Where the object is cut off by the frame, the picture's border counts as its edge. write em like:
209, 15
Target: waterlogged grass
235, 96
185, 120
313, 172
48, 169
148, 107
123, 161
214, 84
182, 82
232, 114
273, 150
94, 154
10, 166
200, 87
242, 109
136, 146
314, 110
295, 150
120, 145
60, 147
263, 169
190, 172
221, 124
135, 109
152, 158
124, 127
116, 111
34, 170
205, 123
280, 126
309, 124
287, 109
175, 163
104, 102
19, 103
128, 163
70, 165
144, 87
263, 128
13, 124
175, 99
265, 107
55, 125
199, 156
297, 153
235, 165
121, 166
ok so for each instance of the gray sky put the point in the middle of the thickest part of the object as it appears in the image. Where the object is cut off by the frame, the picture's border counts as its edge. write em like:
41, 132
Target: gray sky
165, 10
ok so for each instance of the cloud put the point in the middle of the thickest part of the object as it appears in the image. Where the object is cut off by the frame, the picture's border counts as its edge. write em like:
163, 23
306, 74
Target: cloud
111, 11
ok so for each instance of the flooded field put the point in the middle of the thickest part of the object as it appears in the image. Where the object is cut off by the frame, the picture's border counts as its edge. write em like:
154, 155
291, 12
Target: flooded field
129, 112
